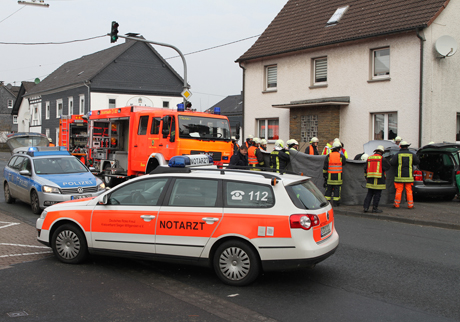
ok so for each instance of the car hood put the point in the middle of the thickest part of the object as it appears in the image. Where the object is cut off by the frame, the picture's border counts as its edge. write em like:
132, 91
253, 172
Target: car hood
370, 146
20, 140
71, 180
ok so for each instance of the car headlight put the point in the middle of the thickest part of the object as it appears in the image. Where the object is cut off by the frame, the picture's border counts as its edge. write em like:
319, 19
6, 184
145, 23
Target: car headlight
43, 215
101, 187
49, 189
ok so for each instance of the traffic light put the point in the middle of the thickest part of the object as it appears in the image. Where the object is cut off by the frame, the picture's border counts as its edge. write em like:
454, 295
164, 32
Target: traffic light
114, 32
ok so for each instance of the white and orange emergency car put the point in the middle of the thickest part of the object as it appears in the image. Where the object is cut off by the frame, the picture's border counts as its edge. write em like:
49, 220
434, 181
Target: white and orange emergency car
238, 222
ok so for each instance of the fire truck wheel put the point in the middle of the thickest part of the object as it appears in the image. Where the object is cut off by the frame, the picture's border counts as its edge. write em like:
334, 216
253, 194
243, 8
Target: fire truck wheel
109, 181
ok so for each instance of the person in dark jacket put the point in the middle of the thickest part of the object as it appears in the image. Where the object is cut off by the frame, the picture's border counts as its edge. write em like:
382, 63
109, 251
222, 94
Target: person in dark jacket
404, 161
240, 159
279, 157
374, 171
313, 147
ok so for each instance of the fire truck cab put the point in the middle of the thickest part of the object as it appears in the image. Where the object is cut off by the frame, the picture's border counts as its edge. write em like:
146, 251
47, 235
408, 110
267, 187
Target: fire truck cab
130, 141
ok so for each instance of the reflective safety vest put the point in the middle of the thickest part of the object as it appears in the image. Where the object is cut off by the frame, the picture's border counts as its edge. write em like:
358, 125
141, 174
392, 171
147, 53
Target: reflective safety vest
252, 159
374, 166
327, 149
335, 163
404, 173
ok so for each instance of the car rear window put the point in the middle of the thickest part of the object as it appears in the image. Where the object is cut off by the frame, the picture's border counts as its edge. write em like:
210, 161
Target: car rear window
305, 195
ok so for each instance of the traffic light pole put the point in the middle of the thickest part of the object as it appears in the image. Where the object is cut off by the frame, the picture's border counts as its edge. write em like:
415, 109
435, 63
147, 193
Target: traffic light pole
186, 86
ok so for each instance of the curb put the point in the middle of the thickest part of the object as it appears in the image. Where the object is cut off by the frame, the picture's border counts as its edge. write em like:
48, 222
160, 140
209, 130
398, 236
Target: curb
397, 219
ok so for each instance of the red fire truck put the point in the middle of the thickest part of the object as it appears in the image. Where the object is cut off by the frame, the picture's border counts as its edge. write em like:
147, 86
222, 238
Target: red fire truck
130, 141
73, 134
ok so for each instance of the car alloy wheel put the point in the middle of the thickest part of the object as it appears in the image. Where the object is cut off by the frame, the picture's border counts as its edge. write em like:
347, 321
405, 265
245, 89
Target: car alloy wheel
7, 191
69, 244
35, 202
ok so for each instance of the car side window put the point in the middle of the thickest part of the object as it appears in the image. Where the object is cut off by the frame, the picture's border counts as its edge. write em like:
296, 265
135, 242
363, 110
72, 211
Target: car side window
248, 195
192, 192
17, 164
12, 161
26, 165
140, 193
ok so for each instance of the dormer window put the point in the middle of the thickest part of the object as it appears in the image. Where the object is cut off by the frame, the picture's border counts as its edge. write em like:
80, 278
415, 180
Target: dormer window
338, 14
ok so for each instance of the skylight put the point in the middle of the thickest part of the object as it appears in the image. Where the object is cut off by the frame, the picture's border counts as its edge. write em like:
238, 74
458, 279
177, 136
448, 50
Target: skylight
337, 15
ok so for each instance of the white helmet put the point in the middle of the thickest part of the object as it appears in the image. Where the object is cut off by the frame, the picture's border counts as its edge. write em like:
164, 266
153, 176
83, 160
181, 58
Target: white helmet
263, 142
398, 139
256, 140
50, 139
364, 157
292, 142
380, 148
250, 136
233, 137
279, 144
404, 143
336, 144
314, 140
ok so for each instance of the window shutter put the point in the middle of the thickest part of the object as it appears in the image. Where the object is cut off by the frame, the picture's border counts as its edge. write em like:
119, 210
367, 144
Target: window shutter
321, 70
271, 77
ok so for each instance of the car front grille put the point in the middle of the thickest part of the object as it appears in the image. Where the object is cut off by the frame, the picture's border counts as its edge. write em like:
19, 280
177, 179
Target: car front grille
74, 191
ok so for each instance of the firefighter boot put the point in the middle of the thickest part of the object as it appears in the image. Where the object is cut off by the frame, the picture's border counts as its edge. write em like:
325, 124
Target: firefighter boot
376, 210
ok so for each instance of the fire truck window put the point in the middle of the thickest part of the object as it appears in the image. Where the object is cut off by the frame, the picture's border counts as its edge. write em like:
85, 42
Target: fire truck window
173, 129
143, 122
155, 129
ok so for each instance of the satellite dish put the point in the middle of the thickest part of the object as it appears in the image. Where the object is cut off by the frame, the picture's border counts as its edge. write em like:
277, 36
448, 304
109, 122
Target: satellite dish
37, 80
446, 46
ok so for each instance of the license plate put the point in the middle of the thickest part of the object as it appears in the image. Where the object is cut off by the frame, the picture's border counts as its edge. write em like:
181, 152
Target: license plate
326, 230
80, 197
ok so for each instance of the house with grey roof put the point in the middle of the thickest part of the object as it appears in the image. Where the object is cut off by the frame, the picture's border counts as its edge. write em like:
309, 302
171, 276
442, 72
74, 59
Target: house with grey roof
231, 107
358, 70
8, 94
132, 73
21, 109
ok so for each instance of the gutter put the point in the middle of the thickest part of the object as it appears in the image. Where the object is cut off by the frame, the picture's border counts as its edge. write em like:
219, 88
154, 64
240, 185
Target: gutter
420, 107
242, 99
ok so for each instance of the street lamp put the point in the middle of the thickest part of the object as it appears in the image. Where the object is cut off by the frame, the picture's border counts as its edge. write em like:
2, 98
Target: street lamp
40, 3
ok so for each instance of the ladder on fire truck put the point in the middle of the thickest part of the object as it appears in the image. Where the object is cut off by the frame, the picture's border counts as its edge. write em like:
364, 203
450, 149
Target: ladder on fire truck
64, 131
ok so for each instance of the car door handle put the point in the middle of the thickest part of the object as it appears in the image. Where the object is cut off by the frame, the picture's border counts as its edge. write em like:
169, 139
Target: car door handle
147, 218
209, 220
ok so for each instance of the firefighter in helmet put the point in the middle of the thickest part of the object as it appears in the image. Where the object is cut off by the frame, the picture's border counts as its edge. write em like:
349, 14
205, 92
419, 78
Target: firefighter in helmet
332, 171
279, 158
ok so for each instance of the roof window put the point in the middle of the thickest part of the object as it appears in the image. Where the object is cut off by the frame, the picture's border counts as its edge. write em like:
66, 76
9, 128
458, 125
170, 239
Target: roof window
337, 15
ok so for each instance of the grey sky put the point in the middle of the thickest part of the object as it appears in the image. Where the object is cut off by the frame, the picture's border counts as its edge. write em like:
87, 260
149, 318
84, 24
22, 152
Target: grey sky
189, 25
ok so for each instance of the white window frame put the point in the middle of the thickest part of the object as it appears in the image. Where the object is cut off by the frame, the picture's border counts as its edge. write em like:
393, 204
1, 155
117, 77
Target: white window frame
271, 77
15, 119
56, 142
59, 110
10, 103
385, 124
70, 105
81, 107
316, 65
114, 104
373, 53
47, 110
47, 133
265, 135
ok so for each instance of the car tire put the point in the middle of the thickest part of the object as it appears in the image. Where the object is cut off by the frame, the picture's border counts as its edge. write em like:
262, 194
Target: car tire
109, 181
35, 202
69, 244
8, 197
236, 263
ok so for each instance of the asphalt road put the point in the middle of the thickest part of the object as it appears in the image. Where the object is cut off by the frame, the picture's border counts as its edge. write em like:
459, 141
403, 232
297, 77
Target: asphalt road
382, 271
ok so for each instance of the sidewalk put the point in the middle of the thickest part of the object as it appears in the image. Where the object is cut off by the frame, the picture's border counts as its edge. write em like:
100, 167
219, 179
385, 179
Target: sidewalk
442, 214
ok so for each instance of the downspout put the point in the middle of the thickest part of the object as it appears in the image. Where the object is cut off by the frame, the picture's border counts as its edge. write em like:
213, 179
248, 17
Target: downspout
89, 97
243, 93
420, 108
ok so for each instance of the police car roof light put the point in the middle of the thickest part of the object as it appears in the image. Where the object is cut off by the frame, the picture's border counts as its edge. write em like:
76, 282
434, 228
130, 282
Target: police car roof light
217, 110
35, 151
180, 107
182, 161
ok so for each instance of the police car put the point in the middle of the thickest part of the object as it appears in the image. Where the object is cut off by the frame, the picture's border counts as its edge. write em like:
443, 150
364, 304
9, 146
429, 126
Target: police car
238, 222
43, 176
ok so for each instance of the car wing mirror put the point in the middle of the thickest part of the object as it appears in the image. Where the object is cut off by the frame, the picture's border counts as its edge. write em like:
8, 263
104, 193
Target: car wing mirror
24, 173
104, 200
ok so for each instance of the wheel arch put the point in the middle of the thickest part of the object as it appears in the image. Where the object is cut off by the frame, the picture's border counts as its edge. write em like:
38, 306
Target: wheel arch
212, 251
54, 226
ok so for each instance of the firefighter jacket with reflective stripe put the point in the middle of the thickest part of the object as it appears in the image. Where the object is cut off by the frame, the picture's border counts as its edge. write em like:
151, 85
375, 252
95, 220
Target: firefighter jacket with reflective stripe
279, 159
333, 165
404, 161
252, 159
327, 149
374, 170
312, 149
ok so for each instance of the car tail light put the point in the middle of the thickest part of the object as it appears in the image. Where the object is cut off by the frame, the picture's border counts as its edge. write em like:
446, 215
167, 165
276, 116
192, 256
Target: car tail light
457, 173
304, 221
418, 175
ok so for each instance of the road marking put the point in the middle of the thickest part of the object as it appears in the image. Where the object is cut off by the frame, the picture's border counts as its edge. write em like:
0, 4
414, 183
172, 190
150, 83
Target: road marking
9, 224
20, 245
26, 254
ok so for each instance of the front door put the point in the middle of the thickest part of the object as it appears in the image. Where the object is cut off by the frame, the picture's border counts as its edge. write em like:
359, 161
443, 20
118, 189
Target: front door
127, 222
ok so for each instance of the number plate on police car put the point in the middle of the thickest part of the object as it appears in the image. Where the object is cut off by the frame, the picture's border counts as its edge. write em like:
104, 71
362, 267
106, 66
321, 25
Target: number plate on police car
80, 197
326, 230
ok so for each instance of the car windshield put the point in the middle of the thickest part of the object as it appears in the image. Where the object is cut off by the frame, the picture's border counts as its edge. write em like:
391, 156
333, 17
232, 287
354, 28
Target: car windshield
196, 127
58, 165
305, 195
